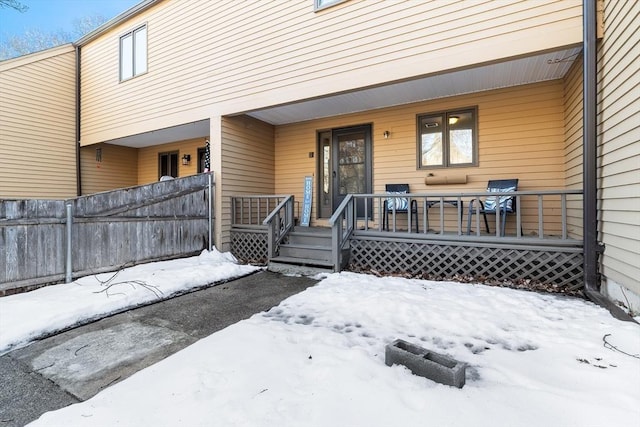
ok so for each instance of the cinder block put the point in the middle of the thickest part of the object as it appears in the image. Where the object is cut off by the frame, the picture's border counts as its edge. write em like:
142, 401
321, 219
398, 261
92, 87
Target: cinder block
426, 363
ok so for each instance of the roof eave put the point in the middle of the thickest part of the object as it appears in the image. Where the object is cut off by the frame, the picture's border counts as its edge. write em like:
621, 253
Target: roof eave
127, 14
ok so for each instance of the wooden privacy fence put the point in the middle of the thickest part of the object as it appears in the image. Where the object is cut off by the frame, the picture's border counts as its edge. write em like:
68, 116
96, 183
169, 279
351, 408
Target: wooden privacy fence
159, 221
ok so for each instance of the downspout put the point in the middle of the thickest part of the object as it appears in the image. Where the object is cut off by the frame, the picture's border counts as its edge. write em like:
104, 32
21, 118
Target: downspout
590, 198
592, 248
78, 169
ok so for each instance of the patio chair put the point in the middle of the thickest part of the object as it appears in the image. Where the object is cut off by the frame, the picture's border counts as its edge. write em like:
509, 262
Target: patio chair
506, 204
398, 204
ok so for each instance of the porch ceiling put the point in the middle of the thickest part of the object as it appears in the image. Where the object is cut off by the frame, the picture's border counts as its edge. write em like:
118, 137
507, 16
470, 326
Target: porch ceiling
531, 69
199, 129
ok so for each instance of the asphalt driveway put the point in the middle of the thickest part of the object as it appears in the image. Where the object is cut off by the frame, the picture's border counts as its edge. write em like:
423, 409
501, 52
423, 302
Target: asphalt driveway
75, 365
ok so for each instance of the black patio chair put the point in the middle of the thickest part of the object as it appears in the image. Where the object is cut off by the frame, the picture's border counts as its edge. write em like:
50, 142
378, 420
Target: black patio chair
506, 204
398, 204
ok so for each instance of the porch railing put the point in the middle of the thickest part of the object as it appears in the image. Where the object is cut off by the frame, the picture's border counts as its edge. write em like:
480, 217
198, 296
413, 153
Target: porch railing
252, 210
342, 224
279, 223
545, 214
545, 223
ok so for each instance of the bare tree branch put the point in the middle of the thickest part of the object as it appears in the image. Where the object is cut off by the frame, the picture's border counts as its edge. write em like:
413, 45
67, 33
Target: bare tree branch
34, 39
13, 4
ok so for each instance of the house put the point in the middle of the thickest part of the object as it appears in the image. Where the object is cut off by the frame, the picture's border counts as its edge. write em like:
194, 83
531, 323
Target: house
354, 93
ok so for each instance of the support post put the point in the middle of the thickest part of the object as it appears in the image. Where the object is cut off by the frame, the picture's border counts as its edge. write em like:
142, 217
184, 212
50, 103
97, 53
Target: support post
69, 265
211, 225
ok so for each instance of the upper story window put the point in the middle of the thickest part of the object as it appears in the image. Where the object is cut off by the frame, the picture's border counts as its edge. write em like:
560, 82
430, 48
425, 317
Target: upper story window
133, 53
448, 139
321, 4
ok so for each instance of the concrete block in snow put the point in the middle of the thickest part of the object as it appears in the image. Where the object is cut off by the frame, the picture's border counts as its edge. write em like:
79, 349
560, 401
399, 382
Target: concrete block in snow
426, 363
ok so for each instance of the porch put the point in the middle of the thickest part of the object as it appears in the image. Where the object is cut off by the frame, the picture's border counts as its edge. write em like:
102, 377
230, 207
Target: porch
541, 242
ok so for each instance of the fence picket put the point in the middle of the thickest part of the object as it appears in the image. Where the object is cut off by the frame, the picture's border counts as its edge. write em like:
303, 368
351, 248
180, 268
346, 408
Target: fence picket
157, 221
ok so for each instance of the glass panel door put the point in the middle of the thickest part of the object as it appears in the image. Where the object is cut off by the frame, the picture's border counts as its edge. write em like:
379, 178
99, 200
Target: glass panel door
351, 164
325, 194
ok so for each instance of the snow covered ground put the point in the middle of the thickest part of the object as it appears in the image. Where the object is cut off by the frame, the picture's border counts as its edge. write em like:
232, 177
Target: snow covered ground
25, 317
318, 360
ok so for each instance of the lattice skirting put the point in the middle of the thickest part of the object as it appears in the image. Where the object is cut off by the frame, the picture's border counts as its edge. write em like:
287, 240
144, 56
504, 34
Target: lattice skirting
249, 246
560, 266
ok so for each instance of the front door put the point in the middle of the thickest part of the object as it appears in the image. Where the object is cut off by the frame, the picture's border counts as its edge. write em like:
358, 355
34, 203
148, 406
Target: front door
351, 165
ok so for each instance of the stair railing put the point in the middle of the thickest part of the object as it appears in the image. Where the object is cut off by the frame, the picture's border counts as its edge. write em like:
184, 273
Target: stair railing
279, 223
342, 222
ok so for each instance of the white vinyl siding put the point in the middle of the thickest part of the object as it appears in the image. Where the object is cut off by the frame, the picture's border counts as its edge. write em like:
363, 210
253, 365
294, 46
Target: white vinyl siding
213, 59
245, 141
573, 146
619, 144
38, 125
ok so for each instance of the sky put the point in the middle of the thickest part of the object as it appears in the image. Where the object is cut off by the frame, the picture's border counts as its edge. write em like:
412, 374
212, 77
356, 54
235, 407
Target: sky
53, 15
318, 358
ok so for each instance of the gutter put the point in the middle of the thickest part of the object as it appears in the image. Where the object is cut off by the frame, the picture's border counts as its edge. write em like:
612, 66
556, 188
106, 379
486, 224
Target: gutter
78, 94
592, 248
138, 8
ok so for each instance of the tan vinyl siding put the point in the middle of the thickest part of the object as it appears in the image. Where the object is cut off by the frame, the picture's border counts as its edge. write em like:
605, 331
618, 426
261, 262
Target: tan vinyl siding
117, 169
248, 163
574, 146
619, 143
521, 135
213, 58
148, 163
38, 125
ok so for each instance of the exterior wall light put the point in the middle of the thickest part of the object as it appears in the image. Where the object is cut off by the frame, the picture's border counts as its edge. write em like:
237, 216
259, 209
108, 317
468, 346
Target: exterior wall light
186, 159
386, 134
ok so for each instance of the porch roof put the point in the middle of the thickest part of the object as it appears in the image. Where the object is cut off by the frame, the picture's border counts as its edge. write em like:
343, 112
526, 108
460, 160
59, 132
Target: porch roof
514, 72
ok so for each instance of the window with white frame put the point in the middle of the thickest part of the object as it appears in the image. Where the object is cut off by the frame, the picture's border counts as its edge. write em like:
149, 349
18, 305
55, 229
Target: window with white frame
133, 53
321, 4
448, 139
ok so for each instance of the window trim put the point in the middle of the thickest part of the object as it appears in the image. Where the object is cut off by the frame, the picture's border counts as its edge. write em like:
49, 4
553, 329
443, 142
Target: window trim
445, 157
133, 52
318, 6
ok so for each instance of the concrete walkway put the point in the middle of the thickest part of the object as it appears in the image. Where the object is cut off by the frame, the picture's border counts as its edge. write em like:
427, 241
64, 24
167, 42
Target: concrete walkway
75, 365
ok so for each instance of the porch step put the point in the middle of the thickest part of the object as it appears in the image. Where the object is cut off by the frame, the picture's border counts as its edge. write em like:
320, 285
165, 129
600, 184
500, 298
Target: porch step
313, 252
307, 251
311, 236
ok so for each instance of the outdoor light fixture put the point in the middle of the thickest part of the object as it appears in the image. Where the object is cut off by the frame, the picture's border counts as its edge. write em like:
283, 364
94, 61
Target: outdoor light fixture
453, 120
186, 159
386, 134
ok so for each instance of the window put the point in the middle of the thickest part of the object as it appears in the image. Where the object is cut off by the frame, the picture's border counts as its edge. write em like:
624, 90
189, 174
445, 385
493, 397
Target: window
168, 164
321, 4
448, 139
202, 154
133, 53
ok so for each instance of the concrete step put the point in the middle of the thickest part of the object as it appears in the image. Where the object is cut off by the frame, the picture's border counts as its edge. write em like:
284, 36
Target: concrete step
280, 259
297, 269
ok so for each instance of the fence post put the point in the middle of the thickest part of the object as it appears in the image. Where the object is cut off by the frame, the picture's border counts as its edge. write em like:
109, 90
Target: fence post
69, 267
210, 178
